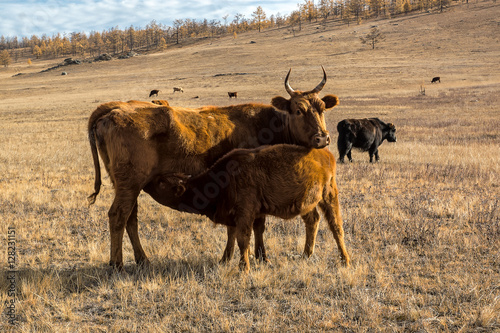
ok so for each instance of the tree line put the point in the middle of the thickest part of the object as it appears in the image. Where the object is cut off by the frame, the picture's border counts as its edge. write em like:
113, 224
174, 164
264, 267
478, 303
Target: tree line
157, 36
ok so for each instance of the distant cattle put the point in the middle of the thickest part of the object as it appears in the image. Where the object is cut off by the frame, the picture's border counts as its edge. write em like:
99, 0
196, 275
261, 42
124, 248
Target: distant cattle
154, 92
280, 180
178, 89
138, 141
160, 102
436, 79
233, 94
365, 134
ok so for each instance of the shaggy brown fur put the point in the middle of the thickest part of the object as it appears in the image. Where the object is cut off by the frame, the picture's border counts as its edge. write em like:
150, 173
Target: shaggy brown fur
140, 140
280, 180
160, 102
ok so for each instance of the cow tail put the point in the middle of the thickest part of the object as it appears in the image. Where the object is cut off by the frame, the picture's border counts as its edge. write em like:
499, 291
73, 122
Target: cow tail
93, 147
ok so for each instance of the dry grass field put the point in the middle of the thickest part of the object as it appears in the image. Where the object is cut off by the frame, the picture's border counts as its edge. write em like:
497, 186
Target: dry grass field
422, 225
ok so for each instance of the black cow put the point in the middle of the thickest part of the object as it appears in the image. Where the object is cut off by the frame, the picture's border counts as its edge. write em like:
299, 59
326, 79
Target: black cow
154, 92
366, 134
233, 94
436, 79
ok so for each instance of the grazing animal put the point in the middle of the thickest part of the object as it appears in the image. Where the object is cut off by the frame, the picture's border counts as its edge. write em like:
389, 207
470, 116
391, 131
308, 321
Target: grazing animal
436, 79
154, 92
233, 94
138, 141
178, 89
160, 102
281, 180
365, 134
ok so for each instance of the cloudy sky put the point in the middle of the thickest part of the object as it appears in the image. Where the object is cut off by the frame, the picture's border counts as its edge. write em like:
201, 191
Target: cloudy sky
37, 17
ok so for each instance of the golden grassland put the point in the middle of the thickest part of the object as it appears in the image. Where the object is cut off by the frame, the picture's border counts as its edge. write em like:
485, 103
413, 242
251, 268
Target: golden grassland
422, 225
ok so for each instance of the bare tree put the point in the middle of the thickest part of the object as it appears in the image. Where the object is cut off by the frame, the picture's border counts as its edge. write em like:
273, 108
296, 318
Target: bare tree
177, 26
373, 37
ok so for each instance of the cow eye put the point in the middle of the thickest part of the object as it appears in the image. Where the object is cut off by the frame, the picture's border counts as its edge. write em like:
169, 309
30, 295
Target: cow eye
298, 112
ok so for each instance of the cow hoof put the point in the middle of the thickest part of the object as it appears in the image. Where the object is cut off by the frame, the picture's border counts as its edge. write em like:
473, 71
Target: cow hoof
143, 263
116, 266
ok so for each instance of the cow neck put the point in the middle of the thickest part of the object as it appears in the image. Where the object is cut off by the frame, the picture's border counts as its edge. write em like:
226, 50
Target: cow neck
281, 129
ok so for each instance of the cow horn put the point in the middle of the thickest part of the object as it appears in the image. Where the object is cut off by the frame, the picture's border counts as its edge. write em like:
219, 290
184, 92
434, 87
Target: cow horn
288, 88
322, 83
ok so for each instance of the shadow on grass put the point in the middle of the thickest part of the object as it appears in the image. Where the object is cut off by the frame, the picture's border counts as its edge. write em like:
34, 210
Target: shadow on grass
85, 277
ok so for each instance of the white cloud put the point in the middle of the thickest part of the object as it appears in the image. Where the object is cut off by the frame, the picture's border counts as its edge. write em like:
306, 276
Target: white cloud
28, 17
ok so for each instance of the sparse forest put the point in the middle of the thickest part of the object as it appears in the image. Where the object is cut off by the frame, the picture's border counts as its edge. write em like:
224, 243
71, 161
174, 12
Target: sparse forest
157, 36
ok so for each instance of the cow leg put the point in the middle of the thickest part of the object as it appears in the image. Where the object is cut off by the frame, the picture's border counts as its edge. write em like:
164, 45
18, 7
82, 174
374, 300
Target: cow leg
231, 239
331, 209
311, 221
119, 214
349, 156
373, 152
133, 234
343, 148
259, 226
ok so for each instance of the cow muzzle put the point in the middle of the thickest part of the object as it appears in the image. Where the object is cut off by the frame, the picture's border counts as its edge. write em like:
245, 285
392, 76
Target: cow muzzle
321, 140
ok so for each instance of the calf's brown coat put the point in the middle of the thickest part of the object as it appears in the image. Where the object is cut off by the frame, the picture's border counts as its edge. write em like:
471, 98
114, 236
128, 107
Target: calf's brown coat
280, 180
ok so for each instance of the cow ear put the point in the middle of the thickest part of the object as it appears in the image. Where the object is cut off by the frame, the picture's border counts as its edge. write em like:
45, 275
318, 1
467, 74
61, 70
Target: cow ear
281, 103
330, 101
179, 190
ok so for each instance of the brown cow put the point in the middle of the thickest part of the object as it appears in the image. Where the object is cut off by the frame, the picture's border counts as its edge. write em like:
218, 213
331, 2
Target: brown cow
280, 180
138, 141
233, 94
154, 92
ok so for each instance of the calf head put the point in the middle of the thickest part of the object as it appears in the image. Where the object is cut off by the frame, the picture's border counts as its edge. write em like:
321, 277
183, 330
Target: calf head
306, 120
167, 188
391, 132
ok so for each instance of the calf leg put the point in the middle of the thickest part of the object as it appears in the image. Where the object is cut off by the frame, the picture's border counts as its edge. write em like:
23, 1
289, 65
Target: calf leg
243, 233
133, 234
331, 209
311, 221
119, 214
231, 239
259, 226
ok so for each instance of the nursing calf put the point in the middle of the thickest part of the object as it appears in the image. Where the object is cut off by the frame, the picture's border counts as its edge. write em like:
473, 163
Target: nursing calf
280, 180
